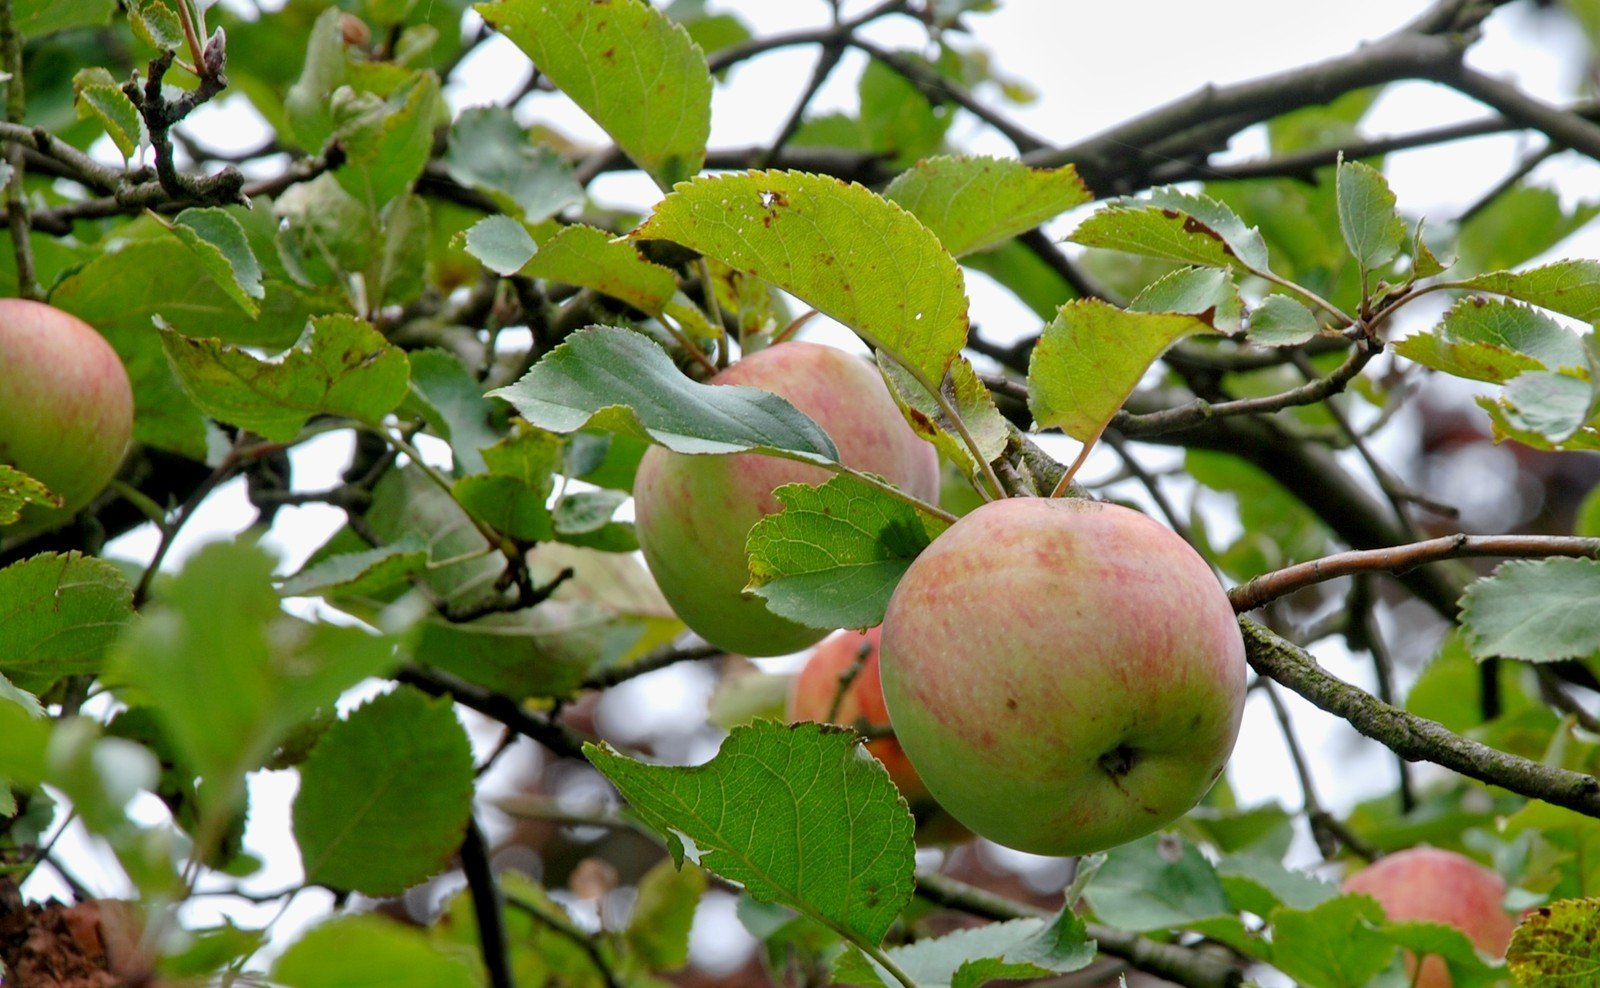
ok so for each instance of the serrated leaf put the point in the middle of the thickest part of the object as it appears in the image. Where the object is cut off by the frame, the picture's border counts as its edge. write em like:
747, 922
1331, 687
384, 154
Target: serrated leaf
1367, 219
798, 815
1570, 287
839, 248
1557, 946
156, 24
1154, 883
18, 490
35, 18
218, 240
356, 574
1334, 945
1535, 610
387, 139
500, 243
506, 505
972, 402
582, 512
364, 950
580, 383
1208, 293
973, 204
325, 69
834, 554
1281, 321
1494, 340
489, 151
1090, 358
340, 366
1257, 883
592, 258
658, 930
1177, 226
452, 402
59, 613
1554, 406
1016, 950
97, 95
1450, 945
627, 66
409, 759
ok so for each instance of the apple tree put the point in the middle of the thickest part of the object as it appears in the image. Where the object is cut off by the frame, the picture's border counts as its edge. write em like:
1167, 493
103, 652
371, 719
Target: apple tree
611, 400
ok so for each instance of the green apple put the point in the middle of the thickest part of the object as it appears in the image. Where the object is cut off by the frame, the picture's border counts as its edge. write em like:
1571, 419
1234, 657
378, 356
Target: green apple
1065, 675
66, 408
693, 513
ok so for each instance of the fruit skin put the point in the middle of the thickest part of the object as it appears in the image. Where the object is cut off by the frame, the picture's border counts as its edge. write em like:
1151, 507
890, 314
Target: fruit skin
1065, 675
1425, 883
66, 408
812, 693
693, 513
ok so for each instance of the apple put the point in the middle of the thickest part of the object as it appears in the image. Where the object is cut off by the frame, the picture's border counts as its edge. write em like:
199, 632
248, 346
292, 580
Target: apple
66, 408
693, 513
1065, 675
1425, 883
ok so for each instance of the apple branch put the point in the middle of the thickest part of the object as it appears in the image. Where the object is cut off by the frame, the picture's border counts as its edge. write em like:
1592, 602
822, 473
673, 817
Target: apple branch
560, 739
16, 109
1398, 559
1414, 738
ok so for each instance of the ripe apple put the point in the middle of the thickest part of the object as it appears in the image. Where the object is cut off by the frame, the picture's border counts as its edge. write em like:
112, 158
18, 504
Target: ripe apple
1425, 883
693, 513
66, 408
1065, 675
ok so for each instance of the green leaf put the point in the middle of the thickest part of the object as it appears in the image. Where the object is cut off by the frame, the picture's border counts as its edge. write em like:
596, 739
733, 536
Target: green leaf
326, 68
9, 693
839, 248
1372, 229
98, 96
356, 574
972, 402
59, 613
340, 366
218, 240
1536, 610
1569, 287
628, 67
797, 815
973, 204
1154, 883
1557, 946
228, 674
410, 761
1281, 321
1493, 340
18, 490
1017, 950
35, 18
452, 402
1334, 945
1176, 226
580, 382
1258, 884
387, 139
501, 243
1519, 225
1554, 406
1090, 358
834, 554
1449, 944
156, 24
1587, 522
658, 930
365, 950
489, 151
592, 258
583, 512
1208, 293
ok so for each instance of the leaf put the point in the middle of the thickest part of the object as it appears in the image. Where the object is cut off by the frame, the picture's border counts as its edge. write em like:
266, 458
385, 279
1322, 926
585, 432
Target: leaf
1519, 225
218, 240
452, 402
1016, 950
1535, 610
1177, 226
834, 554
501, 243
1493, 340
1372, 229
592, 258
156, 24
408, 758
1449, 944
489, 151
583, 512
59, 613
628, 67
18, 490
340, 366
1205, 292
9, 693
1257, 883
580, 382
1570, 287
326, 68
839, 248
355, 574
1281, 321
1557, 946
1154, 883
972, 402
364, 950
98, 96
387, 138
1553, 406
658, 930
973, 204
1334, 945
798, 815
1090, 358
36, 18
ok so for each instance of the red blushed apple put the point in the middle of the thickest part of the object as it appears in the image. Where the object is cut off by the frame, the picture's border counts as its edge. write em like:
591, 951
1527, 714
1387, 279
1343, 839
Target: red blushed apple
1424, 883
1065, 675
693, 513
66, 408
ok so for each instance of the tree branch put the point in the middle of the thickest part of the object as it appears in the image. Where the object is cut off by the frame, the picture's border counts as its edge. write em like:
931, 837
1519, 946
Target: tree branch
487, 905
434, 682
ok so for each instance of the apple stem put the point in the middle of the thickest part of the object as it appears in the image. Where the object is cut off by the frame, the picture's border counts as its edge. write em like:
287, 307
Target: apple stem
1083, 454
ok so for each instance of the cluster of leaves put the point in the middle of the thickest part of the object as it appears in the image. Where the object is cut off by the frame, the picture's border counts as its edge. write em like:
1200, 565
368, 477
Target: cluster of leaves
371, 292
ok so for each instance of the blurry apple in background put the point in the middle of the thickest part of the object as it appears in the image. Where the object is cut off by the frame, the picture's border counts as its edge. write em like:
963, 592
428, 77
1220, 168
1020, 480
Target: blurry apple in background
1424, 883
1065, 675
66, 408
693, 513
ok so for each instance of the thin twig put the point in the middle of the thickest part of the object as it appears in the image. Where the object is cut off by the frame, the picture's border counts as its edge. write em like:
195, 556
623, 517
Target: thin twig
16, 198
435, 682
1327, 831
487, 905
661, 658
